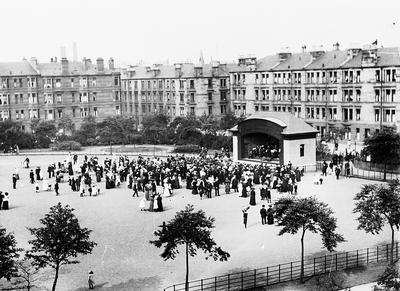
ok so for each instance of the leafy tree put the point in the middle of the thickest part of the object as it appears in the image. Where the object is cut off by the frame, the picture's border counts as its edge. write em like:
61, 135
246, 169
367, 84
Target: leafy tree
378, 205
9, 253
59, 240
87, 132
65, 124
383, 148
307, 214
44, 132
154, 127
229, 120
11, 133
390, 279
117, 129
191, 229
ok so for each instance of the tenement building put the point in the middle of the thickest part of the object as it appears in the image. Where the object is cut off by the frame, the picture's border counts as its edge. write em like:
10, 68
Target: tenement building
351, 93
50, 91
176, 90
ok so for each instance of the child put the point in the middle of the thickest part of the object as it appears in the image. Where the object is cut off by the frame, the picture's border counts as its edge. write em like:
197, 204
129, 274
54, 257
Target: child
37, 187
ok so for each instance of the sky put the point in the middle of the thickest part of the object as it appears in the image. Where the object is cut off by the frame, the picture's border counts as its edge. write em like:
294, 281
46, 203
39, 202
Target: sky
160, 31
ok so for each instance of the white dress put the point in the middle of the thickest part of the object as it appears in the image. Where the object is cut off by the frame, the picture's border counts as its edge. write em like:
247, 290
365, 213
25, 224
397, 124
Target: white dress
166, 193
142, 204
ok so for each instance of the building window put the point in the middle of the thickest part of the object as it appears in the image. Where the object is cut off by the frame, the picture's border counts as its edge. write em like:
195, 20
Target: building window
59, 98
60, 113
302, 150
223, 109
209, 96
192, 110
58, 83
94, 82
94, 95
210, 110
116, 81
182, 96
72, 82
95, 112
73, 112
377, 115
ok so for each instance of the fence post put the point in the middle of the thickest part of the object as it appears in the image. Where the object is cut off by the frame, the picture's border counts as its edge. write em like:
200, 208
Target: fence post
325, 265
377, 254
241, 280
255, 278
314, 266
291, 270
229, 282
347, 256
357, 258
201, 283
279, 273
267, 275
215, 283
174, 287
336, 261
387, 252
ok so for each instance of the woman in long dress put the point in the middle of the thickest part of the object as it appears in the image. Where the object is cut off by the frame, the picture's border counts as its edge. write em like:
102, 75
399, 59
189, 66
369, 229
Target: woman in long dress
166, 192
151, 205
252, 197
159, 203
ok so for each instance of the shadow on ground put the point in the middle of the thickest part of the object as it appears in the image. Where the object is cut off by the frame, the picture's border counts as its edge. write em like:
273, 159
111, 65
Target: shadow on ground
142, 284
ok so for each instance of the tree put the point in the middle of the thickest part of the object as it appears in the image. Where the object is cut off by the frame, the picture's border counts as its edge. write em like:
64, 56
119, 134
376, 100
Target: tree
65, 124
59, 241
307, 214
87, 132
383, 147
9, 253
390, 279
44, 132
378, 205
191, 229
229, 120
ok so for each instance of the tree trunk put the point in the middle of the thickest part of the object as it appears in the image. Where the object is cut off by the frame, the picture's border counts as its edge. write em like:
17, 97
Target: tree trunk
187, 269
55, 278
302, 258
384, 173
392, 246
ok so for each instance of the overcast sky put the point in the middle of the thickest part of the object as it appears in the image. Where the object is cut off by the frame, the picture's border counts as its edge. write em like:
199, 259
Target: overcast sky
177, 30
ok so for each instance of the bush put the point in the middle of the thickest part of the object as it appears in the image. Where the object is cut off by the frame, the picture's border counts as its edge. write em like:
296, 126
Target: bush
66, 146
323, 152
187, 149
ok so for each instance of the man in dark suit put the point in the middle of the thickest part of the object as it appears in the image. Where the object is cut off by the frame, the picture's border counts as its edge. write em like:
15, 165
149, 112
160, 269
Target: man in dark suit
263, 213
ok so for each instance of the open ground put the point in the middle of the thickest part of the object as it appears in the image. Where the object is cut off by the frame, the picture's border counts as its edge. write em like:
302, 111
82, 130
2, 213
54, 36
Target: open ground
125, 260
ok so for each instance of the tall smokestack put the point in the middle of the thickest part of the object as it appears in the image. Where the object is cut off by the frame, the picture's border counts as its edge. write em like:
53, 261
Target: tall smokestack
74, 52
63, 52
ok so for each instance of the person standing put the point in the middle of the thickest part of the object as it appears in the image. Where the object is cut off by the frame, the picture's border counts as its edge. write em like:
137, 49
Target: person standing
252, 197
337, 172
135, 190
56, 188
91, 280
263, 213
159, 203
142, 204
1, 200
5, 201
270, 215
245, 215
32, 176
14, 181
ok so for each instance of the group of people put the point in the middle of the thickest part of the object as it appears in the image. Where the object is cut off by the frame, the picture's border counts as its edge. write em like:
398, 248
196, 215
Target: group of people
4, 200
268, 151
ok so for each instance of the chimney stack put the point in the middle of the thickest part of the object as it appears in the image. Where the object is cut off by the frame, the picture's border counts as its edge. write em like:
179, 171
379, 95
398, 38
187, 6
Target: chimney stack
34, 62
336, 46
86, 63
100, 64
64, 66
111, 64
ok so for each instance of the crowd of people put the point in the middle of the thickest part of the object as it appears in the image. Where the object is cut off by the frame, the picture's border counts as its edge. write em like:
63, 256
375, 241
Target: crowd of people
203, 175
268, 152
